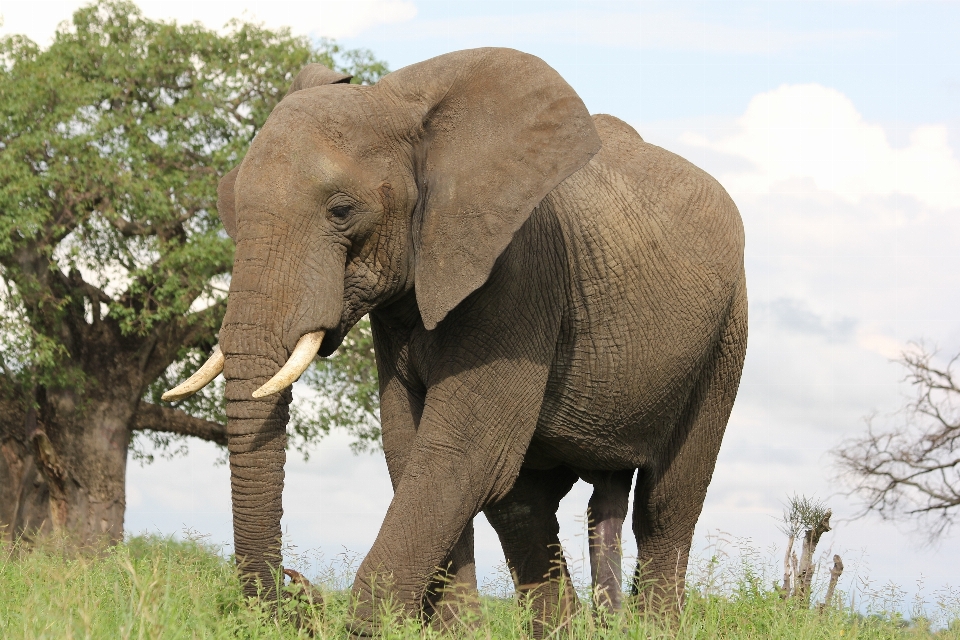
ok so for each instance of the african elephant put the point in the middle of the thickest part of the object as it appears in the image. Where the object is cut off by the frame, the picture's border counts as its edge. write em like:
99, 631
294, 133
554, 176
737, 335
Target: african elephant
551, 298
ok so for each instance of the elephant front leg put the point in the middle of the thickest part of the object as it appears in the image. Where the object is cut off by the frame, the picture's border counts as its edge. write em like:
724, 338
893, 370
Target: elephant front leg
607, 511
467, 452
452, 596
431, 508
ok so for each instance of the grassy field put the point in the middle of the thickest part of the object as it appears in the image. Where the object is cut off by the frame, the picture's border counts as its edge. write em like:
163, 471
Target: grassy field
151, 587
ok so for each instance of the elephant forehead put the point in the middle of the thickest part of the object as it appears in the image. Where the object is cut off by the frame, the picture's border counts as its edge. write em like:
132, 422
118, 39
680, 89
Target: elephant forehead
293, 145
342, 122
287, 142
294, 174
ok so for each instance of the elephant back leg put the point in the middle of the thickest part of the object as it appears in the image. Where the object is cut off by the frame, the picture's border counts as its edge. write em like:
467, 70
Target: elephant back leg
606, 513
526, 522
452, 597
669, 496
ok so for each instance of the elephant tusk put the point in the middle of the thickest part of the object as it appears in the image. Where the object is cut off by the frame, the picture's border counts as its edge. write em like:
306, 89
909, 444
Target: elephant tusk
210, 370
303, 354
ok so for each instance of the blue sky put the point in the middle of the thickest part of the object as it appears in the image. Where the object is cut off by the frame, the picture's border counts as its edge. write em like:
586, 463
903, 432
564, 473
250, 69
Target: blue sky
682, 59
836, 128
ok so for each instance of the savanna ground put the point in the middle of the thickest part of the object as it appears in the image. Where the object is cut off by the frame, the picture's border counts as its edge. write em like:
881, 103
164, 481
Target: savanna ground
151, 587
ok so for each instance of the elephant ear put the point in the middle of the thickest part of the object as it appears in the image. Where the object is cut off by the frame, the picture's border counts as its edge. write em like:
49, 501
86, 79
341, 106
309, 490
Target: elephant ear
225, 202
497, 130
312, 75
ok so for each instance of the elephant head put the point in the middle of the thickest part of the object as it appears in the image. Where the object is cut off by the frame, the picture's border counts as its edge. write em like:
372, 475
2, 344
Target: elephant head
354, 196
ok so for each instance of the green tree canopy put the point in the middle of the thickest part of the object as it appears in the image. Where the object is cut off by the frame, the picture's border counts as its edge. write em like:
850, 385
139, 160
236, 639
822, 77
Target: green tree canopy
113, 264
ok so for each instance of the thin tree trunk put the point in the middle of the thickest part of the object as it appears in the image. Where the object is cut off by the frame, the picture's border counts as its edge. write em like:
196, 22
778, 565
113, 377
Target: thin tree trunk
807, 567
835, 573
785, 591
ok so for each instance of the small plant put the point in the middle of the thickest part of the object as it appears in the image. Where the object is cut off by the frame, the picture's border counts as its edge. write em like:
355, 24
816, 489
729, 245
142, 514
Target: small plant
811, 517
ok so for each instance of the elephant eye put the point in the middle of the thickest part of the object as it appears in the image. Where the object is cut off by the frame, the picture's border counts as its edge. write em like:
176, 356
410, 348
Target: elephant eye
341, 211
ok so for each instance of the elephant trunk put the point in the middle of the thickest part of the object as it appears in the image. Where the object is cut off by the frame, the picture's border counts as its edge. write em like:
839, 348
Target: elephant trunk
256, 438
281, 295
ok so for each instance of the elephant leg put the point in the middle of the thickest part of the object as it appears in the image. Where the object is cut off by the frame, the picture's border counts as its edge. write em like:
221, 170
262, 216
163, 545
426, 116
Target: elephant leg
453, 594
485, 371
456, 466
669, 496
526, 522
452, 597
607, 510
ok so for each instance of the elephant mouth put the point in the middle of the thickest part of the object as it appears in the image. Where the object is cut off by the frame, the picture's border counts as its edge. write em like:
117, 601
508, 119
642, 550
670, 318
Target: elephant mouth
331, 342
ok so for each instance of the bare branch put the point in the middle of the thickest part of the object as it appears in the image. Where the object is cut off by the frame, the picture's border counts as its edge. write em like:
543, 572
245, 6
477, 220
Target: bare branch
154, 417
912, 468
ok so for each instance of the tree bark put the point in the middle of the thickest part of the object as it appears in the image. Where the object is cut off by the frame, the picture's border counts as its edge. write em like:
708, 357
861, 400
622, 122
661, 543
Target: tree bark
835, 574
62, 476
787, 573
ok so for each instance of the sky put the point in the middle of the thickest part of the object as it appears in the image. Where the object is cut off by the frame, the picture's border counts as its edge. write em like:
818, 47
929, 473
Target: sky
835, 126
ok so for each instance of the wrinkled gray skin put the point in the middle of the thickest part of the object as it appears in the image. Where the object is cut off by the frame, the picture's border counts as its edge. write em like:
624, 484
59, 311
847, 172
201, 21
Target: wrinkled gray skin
551, 298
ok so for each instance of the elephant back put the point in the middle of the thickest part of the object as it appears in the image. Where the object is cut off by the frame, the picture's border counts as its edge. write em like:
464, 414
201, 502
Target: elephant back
655, 252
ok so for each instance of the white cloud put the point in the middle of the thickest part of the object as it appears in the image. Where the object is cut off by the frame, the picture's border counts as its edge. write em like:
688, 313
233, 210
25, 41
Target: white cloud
798, 136
881, 344
37, 19
660, 30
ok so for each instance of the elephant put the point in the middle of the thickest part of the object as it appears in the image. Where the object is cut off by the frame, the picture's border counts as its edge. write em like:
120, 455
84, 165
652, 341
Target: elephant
551, 297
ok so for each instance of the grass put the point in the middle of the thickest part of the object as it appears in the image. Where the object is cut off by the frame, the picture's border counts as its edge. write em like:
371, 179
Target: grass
152, 587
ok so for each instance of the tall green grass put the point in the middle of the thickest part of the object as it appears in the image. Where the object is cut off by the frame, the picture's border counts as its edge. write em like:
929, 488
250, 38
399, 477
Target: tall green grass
152, 587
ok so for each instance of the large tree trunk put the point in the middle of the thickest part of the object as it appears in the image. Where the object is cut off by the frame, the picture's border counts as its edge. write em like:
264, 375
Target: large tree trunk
12, 461
63, 466
63, 449
65, 470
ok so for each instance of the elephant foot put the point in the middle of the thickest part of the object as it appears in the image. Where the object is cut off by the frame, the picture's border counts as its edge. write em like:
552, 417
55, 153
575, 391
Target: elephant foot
305, 602
554, 604
375, 606
457, 607
452, 600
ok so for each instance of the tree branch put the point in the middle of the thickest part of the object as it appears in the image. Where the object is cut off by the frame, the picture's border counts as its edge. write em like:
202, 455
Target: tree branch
189, 331
154, 417
912, 468
133, 229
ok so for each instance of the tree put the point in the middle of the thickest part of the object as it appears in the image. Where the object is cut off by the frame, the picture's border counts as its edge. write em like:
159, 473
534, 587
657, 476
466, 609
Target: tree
113, 262
911, 470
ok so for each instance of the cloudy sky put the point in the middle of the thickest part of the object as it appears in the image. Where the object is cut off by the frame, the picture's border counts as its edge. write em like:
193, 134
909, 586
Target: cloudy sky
835, 126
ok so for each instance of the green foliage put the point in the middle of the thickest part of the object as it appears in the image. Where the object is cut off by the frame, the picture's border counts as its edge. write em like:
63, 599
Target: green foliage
360, 63
802, 513
112, 142
151, 587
